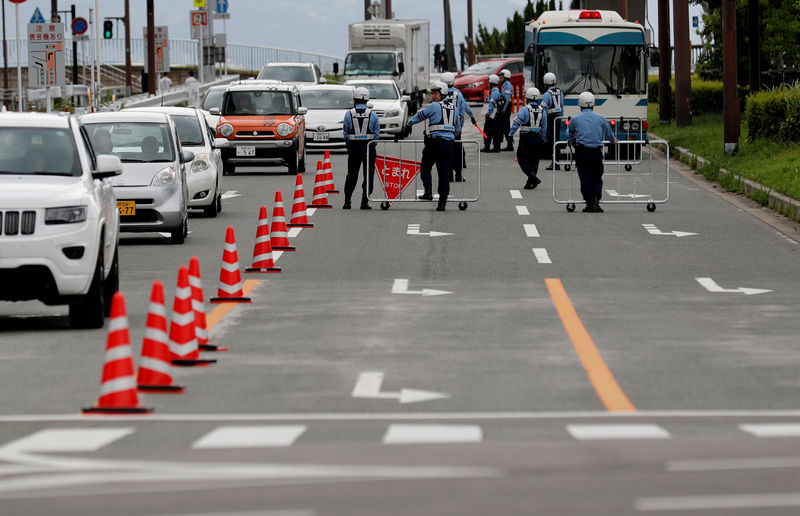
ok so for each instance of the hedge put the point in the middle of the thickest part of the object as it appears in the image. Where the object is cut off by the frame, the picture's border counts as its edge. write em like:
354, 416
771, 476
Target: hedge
774, 113
706, 96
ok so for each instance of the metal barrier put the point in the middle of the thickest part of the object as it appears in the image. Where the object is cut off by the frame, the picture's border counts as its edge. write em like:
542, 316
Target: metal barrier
634, 185
397, 168
629, 130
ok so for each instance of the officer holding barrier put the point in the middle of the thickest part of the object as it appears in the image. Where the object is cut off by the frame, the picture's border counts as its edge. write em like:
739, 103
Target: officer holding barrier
532, 124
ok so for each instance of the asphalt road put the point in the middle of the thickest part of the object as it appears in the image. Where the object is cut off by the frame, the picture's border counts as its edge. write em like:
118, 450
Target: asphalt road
527, 361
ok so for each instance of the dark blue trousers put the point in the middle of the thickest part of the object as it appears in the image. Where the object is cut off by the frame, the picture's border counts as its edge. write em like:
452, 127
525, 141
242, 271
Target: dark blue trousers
528, 153
356, 161
437, 151
589, 161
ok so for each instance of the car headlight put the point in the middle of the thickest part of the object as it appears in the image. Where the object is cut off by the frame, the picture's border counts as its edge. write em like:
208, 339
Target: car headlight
65, 215
200, 162
225, 130
393, 112
625, 126
634, 126
285, 129
165, 177
474, 84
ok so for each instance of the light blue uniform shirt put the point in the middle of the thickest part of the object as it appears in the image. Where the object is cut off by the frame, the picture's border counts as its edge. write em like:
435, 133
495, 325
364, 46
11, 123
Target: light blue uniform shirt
589, 129
494, 96
461, 108
508, 92
374, 123
523, 118
547, 101
433, 113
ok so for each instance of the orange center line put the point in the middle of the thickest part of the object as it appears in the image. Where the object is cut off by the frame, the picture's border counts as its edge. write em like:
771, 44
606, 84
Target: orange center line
219, 311
606, 387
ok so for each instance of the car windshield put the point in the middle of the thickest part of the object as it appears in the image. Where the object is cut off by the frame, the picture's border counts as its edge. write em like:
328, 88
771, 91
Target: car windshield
484, 67
602, 68
379, 91
143, 142
369, 63
189, 130
257, 103
36, 150
213, 99
327, 99
287, 73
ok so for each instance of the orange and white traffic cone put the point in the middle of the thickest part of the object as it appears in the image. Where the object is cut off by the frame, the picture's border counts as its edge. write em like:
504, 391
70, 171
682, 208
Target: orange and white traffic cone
118, 384
230, 275
328, 169
279, 238
182, 337
320, 199
155, 370
299, 216
199, 307
262, 251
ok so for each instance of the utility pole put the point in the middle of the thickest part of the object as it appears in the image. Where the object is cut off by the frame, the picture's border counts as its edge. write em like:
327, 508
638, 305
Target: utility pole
388, 9
730, 101
470, 42
53, 10
74, 50
151, 49
5, 50
754, 48
623, 9
127, 22
665, 66
367, 10
683, 61
448, 37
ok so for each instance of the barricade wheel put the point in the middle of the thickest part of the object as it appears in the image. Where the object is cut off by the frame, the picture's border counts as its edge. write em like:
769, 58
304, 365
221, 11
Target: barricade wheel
567, 167
462, 205
628, 168
385, 205
651, 207
570, 206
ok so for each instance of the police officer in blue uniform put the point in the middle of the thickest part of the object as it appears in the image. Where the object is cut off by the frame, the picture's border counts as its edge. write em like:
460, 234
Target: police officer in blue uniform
587, 131
507, 89
361, 126
531, 120
495, 105
553, 104
440, 116
462, 109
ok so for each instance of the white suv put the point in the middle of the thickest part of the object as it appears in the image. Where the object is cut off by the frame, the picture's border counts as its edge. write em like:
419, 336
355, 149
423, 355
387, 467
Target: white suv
59, 223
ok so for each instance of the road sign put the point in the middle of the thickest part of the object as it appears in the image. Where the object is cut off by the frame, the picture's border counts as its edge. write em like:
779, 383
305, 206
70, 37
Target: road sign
199, 3
695, 21
161, 39
79, 25
222, 6
222, 16
17, 1
46, 55
395, 174
37, 16
199, 20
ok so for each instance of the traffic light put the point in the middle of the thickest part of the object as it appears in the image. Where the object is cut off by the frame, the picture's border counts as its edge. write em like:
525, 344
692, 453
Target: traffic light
108, 29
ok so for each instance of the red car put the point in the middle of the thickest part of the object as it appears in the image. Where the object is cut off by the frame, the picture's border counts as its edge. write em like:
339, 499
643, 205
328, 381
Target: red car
474, 80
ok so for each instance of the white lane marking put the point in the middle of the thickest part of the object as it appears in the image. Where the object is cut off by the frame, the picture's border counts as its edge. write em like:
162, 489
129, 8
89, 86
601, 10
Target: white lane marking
66, 440
230, 194
733, 464
523, 210
414, 229
168, 235
772, 429
709, 502
516, 194
250, 437
531, 231
712, 286
430, 434
400, 286
293, 232
420, 192
653, 230
541, 255
369, 386
299, 512
614, 193
643, 431
310, 211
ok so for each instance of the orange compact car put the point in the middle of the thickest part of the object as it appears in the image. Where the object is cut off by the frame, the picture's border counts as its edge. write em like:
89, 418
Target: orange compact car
264, 125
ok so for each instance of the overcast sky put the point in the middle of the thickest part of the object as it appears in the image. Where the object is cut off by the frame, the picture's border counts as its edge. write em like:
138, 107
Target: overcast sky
310, 25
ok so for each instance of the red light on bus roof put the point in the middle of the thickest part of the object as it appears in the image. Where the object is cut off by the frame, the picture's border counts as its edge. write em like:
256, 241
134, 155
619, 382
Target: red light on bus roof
645, 124
613, 123
590, 15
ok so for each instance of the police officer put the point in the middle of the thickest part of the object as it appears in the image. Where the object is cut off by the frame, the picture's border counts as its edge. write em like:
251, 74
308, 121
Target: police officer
587, 131
440, 116
495, 105
462, 109
361, 126
531, 121
553, 104
507, 89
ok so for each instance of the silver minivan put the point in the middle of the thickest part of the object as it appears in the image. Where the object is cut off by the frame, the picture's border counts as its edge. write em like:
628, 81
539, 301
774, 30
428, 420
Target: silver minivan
152, 193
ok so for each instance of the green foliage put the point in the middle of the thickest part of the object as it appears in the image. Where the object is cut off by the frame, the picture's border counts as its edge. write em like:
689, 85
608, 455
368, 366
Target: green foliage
706, 96
489, 42
774, 114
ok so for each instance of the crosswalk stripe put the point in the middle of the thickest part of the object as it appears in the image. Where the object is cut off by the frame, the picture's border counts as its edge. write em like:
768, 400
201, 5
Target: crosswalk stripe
258, 436
633, 431
429, 434
772, 429
67, 440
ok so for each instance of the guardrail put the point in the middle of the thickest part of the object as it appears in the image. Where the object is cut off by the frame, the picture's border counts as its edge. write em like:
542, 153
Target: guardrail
171, 97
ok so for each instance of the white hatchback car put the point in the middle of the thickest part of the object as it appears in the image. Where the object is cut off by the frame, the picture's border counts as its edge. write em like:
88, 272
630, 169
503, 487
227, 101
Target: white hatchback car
327, 105
387, 102
59, 223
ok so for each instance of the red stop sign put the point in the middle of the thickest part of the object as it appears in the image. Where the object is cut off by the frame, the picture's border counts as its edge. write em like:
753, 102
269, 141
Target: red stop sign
17, 1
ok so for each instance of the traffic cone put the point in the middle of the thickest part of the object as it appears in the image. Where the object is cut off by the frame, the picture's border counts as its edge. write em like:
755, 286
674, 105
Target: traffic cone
279, 238
299, 217
262, 251
182, 337
155, 369
118, 384
320, 199
230, 276
199, 307
328, 169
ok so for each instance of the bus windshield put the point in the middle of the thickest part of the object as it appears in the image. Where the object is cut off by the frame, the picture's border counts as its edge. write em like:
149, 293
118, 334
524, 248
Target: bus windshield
603, 69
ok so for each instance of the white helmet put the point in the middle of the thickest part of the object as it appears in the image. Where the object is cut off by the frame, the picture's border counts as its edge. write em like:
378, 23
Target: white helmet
549, 79
505, 73
493, 79
449, 78
361, 93
586, 100
532, 94
439, 86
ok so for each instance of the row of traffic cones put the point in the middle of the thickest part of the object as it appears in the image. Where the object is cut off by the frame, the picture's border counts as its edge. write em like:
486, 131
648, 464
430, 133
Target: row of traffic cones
188, 332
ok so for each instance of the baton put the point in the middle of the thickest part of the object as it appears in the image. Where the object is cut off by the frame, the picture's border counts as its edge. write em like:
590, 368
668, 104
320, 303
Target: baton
480, 130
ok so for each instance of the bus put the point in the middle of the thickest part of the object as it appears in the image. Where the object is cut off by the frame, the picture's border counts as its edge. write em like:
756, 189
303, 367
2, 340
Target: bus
593, 51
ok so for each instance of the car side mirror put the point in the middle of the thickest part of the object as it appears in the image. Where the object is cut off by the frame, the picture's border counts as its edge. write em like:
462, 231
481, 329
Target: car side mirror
401, 67
335, 68
220, 143
405, 98
323, 80
186, 156
302, 110
215, 111
107, 166
655, 57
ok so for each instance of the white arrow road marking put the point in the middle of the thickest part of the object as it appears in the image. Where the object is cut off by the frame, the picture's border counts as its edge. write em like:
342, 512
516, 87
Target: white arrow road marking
541, 255
230, 194
531, 231
516, 194
414, 229
523, 210
400, 286
653, 230
427, 434
251, 436
712, 286
614, 193
369, 386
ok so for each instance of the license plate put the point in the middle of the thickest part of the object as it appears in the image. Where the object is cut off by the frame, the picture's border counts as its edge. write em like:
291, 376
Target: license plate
126, 207
321, 137
246, 150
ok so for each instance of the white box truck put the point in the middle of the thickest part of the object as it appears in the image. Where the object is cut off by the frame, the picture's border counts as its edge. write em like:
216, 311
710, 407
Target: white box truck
391, 49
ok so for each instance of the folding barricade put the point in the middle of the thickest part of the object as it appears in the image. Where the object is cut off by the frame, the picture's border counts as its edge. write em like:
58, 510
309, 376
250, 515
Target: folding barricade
630, 131
397, 173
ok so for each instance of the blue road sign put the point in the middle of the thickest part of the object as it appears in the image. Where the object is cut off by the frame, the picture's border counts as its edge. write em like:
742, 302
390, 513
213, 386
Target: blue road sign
79, 25
37, 17
695, 21
222, 6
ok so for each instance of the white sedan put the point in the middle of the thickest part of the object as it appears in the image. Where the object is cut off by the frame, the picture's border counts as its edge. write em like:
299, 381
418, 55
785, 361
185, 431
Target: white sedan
326, 106
387, 102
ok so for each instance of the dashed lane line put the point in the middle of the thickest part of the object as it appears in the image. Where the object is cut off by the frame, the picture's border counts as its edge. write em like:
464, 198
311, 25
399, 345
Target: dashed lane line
523, 210
259, 436
531, 231
624, 431
541, 255
515, 194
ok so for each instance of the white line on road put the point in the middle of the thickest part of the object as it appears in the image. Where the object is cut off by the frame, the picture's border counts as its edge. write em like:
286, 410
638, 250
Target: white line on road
523, 210
250, 436
369, 386
310, 211
66, 440
516, 194
646, 431
541, 255
531, 231
733, 464
653, 230
400, 286
250, 513
293, 232
230, 194
712, 286
737, 501
428, 434
772, 429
